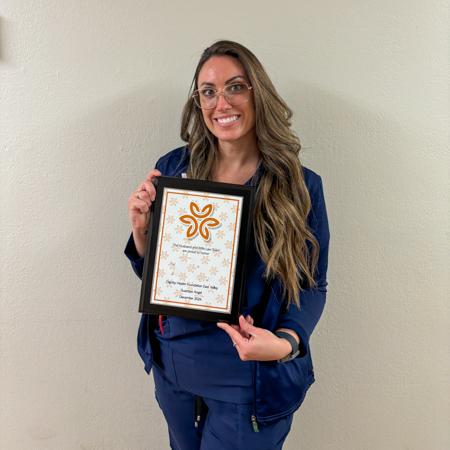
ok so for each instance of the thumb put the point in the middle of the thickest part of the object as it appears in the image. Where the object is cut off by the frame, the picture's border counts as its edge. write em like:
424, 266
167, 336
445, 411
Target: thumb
249, 319
246, 326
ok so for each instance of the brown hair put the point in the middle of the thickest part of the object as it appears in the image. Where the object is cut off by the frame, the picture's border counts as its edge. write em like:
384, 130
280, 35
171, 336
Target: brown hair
282, 198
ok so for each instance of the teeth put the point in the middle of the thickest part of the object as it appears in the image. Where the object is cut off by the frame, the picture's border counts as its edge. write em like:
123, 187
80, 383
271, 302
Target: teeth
228, 119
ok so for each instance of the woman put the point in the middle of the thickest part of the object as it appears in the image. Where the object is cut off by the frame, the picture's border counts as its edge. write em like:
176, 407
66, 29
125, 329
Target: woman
233, 387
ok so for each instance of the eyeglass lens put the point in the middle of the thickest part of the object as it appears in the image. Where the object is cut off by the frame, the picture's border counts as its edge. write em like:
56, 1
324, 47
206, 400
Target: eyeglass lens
235, 94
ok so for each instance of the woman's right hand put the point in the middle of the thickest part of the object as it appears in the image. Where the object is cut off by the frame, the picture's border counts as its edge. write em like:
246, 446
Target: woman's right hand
139, 204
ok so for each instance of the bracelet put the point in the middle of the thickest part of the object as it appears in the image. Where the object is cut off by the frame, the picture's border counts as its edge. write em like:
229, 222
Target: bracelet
294, 344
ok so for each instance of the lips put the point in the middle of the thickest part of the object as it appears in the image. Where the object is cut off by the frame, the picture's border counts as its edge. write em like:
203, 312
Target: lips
227, 120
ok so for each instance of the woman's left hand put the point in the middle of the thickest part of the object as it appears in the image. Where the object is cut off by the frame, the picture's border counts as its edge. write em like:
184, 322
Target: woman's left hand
254, 343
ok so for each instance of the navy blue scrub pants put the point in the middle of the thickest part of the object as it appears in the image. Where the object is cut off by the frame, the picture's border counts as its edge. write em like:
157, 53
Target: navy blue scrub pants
223, 426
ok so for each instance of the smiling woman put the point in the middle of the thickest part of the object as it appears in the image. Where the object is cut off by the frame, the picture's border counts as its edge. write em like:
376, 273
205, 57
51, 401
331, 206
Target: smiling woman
230, 117
225, 99
243, 381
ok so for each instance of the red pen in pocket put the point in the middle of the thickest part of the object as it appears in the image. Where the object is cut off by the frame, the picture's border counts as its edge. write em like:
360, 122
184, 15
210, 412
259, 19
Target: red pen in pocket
160, 321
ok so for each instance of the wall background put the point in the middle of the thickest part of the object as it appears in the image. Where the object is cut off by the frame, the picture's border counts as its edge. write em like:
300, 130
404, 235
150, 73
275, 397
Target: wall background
91, 95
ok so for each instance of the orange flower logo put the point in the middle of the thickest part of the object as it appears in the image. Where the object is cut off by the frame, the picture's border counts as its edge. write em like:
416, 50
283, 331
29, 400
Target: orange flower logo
199, 221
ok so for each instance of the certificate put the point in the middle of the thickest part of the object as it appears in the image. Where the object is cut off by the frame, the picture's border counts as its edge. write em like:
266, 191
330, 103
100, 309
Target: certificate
196, 251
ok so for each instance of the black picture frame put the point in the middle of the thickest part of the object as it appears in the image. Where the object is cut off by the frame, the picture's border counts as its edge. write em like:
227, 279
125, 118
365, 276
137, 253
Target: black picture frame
194, 305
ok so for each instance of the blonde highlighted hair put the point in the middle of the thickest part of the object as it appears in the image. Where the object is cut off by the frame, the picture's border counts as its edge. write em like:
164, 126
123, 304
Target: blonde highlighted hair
282, 198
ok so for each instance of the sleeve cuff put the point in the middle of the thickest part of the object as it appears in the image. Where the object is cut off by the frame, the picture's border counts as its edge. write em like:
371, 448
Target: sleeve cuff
303, 346
137, 262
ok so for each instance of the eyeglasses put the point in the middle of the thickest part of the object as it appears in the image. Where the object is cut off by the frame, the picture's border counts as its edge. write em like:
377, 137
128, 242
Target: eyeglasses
235, 94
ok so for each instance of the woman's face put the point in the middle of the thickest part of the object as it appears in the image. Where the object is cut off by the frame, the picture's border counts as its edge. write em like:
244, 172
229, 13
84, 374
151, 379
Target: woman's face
228, 123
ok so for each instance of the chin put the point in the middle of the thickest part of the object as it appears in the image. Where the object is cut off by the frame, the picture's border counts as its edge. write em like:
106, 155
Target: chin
228, 135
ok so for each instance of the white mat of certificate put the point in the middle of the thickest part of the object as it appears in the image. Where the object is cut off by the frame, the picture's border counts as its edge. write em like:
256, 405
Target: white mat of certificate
196, 250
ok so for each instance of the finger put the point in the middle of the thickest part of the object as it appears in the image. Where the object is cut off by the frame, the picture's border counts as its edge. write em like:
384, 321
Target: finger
145, 196
153, 173
249, 319
139, 205
239, 330
149, 187
243, 332
146, 186
247, 327
235, 336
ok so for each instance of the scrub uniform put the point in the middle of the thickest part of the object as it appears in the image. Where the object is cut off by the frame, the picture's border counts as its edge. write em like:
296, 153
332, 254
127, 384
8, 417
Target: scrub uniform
245, 404
197, 364
204, 366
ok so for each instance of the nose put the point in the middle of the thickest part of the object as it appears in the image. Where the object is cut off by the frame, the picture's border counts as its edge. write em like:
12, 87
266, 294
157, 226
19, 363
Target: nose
222, 102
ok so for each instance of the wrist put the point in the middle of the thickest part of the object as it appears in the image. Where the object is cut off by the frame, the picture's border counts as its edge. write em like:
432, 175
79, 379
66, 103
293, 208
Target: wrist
285, 348
140, 233
293, 344
291, 332
140, 241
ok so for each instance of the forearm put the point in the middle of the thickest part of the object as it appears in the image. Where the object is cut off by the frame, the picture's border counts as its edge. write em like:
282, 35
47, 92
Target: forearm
140, 242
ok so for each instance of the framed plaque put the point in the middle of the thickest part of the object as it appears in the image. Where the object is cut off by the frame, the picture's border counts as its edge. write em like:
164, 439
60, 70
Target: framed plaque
196, 250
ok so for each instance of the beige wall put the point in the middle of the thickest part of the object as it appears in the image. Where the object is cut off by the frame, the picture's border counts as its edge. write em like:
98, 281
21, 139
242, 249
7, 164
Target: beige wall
92, 93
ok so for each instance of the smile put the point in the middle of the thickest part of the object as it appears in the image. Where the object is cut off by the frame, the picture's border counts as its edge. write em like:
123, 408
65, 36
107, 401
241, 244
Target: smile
227, 120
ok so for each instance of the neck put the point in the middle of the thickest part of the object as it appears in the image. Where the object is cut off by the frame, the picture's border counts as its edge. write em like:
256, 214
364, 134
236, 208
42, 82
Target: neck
236, 161
239, 153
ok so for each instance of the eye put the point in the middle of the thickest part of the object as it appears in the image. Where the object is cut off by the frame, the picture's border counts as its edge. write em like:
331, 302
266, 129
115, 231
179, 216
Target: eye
208, 92
236, 88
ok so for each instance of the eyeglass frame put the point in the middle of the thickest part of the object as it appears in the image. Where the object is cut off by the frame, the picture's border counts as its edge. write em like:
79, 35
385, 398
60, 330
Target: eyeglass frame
195, 94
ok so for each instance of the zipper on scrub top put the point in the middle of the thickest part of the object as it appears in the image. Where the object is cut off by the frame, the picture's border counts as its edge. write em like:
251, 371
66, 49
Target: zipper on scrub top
253, 416
255, 424
198, 411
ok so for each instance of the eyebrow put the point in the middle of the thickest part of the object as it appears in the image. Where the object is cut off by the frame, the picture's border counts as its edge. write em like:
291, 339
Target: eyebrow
206, 83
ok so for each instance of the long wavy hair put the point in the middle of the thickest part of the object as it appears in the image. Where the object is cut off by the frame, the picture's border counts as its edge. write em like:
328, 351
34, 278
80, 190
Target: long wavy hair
283, 240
